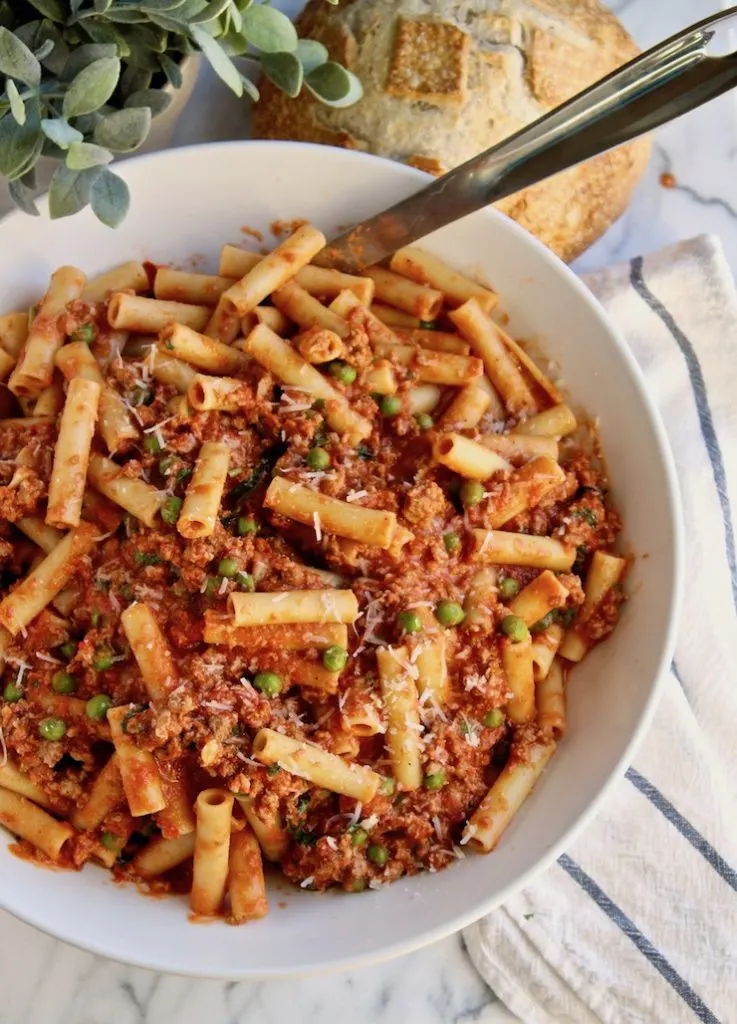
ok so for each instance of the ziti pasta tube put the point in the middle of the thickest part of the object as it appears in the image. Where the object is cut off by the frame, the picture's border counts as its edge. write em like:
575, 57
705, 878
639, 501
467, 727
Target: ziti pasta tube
246, 887
149, 316
205, 491
220, 629
293, 606
403, 293
72, 453
42, 585
502, 548
128, 277
426, 269
25, 819
399, 690
150, 649
467, 458
277, 356
213, 808
115, 422
205, 353
505, 797
316, 765
138, 770
322, 513
142, 500
35, 368
275, 270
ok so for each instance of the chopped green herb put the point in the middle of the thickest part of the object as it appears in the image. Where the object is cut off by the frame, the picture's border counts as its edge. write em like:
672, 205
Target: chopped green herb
245, 581
147, 558
452, 542
95, 618
364, 452
141, 396
428, 325
303, 802
588, 515
545, 622
566, 616
151, 444
170, 510
273, 769
183, 474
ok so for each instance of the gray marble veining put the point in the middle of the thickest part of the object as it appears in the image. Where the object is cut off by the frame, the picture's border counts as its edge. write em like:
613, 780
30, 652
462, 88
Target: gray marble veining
44, 981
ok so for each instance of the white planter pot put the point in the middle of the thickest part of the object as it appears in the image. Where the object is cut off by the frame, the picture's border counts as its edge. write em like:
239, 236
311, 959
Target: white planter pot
162, 127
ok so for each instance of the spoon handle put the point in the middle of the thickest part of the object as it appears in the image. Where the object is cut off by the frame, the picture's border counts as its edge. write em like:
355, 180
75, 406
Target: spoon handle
674, 77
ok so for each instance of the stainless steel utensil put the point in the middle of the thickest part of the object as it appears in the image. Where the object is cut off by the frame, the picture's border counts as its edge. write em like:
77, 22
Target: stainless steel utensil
669, 80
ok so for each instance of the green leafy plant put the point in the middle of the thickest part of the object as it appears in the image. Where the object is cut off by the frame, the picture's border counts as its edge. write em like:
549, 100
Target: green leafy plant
81, 80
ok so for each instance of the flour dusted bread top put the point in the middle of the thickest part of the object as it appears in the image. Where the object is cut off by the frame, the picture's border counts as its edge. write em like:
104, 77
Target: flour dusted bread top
445, 80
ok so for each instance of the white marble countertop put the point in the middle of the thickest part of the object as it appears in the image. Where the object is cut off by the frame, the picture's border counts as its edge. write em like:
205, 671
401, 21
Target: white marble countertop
44, 981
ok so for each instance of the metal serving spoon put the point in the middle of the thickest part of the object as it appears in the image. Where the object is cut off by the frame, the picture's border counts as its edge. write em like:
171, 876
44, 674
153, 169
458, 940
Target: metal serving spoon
669, 80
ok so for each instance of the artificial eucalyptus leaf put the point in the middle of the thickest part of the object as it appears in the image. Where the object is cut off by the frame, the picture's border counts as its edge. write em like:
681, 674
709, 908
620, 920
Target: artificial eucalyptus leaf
92, 87
84, 55
167, 22
70, 191
102, 32
17, 106
74, 6
55, 59
20, 144
161, 5
134, 79
82, 155
156, 100
110, 199
124, 131
52, 9
172, 71
17, 60
101, 6
44, 50
311, 54
219, 60
234, 43
269, 30
211, 12
334, 85
124, 16
250, 89
284, 70
60, 132
22, 196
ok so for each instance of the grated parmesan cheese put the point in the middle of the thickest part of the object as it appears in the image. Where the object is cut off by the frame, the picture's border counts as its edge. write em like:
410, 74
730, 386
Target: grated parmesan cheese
316, 524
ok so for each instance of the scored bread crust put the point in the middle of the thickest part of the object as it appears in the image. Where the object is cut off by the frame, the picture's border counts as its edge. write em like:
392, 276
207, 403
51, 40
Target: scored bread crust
445, 79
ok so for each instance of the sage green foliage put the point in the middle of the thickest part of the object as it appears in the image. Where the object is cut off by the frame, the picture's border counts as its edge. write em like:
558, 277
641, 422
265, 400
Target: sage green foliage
81, 80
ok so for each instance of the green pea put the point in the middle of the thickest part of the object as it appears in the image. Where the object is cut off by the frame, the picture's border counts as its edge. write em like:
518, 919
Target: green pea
472, 493
545, 622
424, 421
359, 885
245, 581
341, 371
358, 835
378, 854
268, 683
151, 444
514, 627
64, 683
86, 333
247, 525
110, 841
387, 786
12, 693
52, 729
318, 458
452, 542
390, 406
449, 613
409, 621
212, 586
508, 587
170, 510
227, 567
335, 658
68, 650
493, 719
98, 706
434, 780
103, 659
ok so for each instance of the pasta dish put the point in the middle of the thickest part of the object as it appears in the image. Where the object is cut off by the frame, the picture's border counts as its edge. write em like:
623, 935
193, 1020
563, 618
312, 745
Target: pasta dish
295, 566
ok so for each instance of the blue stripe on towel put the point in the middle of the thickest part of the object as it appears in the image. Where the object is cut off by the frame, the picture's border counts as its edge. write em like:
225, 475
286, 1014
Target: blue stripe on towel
708, 431
633, 933
685, 827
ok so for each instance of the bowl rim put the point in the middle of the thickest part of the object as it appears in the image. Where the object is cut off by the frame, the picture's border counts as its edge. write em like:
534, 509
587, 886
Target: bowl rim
674, 604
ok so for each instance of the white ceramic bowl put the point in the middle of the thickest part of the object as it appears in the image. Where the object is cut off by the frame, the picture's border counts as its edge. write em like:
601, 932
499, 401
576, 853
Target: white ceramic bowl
188, 202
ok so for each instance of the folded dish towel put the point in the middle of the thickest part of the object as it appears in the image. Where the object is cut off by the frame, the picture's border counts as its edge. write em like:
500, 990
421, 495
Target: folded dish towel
637, 922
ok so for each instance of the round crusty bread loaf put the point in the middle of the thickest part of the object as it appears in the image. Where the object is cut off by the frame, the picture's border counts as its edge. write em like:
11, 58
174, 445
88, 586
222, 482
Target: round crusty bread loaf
446, 79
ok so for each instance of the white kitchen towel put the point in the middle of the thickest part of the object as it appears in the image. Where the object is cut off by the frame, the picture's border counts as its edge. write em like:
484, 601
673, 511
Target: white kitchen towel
637, 922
